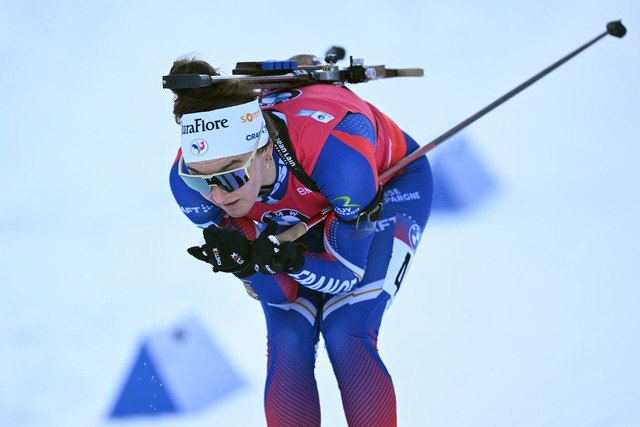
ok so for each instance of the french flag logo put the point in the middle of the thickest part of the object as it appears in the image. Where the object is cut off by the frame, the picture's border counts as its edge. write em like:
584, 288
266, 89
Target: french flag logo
199, 147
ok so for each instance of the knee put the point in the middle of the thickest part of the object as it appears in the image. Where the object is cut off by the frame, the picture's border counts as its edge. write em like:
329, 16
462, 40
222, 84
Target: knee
287, 348
342, 339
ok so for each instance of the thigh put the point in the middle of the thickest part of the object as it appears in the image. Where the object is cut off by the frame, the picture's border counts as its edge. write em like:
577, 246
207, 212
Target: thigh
294, 324
407, 205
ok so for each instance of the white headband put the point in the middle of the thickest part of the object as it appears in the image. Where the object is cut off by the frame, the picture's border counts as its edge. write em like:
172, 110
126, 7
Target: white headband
222, 133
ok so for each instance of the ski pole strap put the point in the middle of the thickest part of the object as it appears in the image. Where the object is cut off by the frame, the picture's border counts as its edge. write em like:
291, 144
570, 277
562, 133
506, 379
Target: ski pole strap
373, 211
282, 145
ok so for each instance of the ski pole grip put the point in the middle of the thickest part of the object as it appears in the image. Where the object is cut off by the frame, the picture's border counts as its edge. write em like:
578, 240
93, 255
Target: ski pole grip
293, 233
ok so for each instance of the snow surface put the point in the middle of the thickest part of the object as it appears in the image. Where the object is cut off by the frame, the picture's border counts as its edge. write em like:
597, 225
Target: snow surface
522, 311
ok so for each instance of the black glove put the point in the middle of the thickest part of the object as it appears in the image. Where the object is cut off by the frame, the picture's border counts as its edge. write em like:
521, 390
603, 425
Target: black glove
270, 258
226, 250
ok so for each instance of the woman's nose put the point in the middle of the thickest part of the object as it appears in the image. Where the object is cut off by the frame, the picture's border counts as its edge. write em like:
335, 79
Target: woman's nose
218, 195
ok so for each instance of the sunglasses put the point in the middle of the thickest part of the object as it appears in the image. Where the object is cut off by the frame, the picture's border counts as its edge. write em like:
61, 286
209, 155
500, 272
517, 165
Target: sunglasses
229, 181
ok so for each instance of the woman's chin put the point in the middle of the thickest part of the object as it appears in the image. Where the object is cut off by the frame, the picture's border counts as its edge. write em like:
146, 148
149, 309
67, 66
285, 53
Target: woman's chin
237, 209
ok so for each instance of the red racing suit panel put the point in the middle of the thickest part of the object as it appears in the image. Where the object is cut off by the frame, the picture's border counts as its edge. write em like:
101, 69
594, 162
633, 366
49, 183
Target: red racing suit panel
311, 118
348, 181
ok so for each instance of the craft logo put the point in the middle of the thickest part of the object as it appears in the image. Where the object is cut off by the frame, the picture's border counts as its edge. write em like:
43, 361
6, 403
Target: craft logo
202, 209
199, 147
255, 135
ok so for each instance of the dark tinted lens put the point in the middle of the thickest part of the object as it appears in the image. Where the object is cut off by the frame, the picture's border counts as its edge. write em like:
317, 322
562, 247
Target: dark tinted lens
230, 181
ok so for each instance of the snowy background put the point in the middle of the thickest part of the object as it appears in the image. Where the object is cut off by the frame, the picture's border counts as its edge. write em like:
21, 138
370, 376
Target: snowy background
521, 310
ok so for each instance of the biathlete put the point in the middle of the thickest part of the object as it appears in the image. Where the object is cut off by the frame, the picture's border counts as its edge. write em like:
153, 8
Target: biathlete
253, 164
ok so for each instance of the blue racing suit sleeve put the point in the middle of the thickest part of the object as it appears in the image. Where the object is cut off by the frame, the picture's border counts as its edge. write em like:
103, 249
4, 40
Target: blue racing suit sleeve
199, 210
350, 185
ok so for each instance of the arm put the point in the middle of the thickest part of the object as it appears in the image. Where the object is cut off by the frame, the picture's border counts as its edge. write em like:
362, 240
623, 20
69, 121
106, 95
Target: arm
199, 210
276, 289
350, 185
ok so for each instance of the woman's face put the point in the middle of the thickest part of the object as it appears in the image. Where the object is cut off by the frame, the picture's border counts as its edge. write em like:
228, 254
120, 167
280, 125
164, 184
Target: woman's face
239, 202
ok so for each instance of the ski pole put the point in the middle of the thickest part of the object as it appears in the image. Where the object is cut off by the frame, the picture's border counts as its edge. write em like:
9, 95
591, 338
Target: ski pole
614, 28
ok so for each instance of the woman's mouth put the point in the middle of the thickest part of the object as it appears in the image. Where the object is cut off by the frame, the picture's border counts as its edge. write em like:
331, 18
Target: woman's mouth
231, 204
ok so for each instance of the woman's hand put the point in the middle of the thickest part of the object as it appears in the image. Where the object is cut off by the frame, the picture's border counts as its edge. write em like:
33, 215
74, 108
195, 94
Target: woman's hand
226, 250
271, 257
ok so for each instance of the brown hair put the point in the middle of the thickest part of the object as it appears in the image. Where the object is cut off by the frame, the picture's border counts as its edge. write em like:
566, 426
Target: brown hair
224, 93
